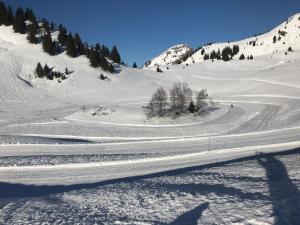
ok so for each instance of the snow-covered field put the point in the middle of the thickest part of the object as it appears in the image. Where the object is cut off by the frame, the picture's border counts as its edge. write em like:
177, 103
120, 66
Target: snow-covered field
60, 152
255, 190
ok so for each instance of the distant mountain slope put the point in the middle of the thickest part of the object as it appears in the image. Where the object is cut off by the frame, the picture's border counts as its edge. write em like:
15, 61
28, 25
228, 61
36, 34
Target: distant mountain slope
284, 38
174, 55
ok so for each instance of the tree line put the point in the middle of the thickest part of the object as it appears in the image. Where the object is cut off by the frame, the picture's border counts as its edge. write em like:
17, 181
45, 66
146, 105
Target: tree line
40, 32
180, 101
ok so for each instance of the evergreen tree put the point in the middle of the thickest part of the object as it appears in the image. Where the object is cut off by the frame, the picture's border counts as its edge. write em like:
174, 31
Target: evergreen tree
202, 51
134, 65
62, 35
115, 56
111, 68
39, 70
213, 55
46, 70
94, 61
206, 57
191, 107
48, 45
31, 35
9, 18
19, 21
274, 39
3, 13
251, 57
106, 52
235, 49
79, 45
45, 26
71, 47
242, 57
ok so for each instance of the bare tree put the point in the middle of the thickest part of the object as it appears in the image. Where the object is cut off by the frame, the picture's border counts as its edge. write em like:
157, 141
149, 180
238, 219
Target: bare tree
201, 100
180, 97
158, 104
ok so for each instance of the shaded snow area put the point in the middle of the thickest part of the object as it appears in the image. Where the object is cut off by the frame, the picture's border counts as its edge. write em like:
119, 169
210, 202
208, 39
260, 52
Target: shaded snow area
262, 189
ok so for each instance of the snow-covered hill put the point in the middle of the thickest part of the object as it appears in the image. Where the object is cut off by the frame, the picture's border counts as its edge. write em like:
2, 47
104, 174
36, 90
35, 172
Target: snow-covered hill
174, 55
84, 130
284, 39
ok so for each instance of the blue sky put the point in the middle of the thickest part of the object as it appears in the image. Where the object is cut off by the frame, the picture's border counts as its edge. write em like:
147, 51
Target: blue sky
143, 29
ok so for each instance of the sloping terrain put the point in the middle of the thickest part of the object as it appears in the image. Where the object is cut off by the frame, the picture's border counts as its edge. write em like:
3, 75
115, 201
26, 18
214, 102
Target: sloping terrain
51, 136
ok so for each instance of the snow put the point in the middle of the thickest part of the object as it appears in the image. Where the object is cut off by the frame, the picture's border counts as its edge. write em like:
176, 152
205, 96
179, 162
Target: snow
173, 55
243, 191
48, 140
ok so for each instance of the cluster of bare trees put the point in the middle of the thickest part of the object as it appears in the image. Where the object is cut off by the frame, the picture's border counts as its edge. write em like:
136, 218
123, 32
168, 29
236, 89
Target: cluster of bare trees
179, 102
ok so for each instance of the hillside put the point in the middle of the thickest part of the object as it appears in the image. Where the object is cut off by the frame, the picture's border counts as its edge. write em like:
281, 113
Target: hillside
284, 39
174, 55
81, 150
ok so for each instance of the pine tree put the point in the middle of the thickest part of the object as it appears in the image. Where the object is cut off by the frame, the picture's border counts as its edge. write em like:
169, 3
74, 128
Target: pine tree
45, 26
71, 47
39, 70
94, 61
274, 39
3, 12
115, 56
48, 45
9, 18
46, 70
62, 35
191, 107
242, 57
31, 35
79, 45
235, 49
134, 65
19, 21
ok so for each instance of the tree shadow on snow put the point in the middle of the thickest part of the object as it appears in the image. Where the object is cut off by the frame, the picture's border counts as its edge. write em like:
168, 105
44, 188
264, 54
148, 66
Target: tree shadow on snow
284, 193
191, 217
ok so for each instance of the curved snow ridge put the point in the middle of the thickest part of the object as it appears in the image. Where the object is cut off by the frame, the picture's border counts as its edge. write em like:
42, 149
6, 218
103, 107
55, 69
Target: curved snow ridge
139, 140
184, 157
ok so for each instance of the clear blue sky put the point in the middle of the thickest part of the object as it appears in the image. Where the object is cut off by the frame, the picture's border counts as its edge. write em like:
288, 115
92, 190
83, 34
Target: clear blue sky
143, 29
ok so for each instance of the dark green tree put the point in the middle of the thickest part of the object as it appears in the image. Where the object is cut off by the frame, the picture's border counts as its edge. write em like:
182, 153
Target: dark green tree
39, 70
48, 44
206, 57
9, 18
62, 35
3, 12
71, 46
19, 21
242, 57
79, 45
235, 49
45, 26
31, 35
94, 60
115, 56
134, 65
191, 107
274, 39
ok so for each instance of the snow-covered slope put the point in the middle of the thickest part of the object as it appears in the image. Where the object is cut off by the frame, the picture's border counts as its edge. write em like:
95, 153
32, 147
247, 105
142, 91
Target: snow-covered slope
174, 55
286, 34
280, 39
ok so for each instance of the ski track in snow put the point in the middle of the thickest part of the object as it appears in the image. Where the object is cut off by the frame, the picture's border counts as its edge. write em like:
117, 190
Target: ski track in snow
42, 123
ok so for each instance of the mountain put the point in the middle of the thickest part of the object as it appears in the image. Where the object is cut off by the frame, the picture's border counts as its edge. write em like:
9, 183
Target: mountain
284, 38
174, 55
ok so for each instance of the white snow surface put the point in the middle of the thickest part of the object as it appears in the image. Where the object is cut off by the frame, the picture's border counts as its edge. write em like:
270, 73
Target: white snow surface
48, 138
174, 55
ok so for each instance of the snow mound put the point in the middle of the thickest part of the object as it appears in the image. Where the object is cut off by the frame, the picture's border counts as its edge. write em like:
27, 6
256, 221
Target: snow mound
174, 55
